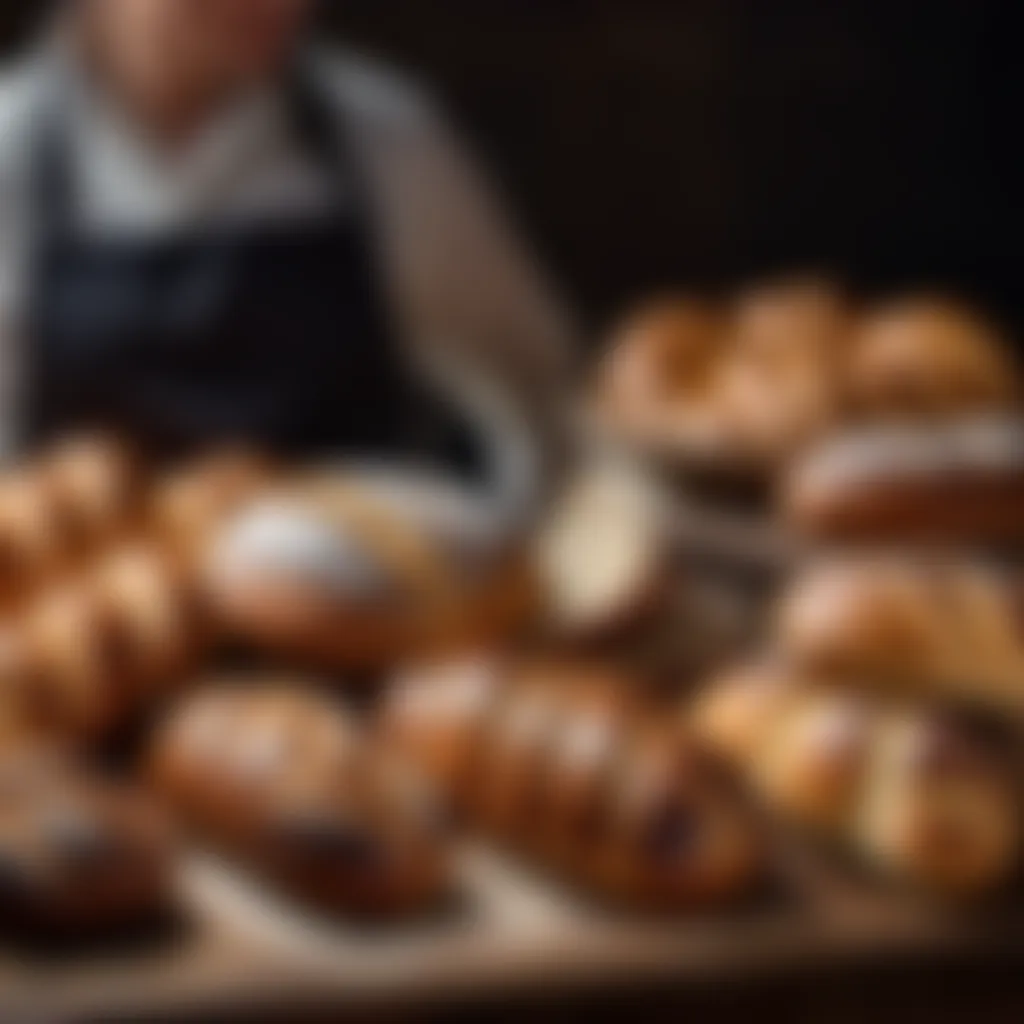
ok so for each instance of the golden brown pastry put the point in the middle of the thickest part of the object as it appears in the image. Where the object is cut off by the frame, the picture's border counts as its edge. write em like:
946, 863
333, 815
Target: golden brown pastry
78, 856
94, 484
89, 656
739, 392
918, 794
938, 628
654, 388
285, 780
567, 765
30, 549
792, 320
357, 572
66, 503
960, 483
663, 350
925, 357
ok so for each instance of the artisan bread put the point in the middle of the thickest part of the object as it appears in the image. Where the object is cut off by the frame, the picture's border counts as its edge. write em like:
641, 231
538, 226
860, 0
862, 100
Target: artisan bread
962, 482
286, 781
917, 794
568, 765
933, 627
359, 571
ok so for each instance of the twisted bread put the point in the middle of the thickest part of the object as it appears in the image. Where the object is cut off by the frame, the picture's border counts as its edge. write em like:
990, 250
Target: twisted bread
90, 655
77, 855
285, 780
564, 764
919, 796
948, 630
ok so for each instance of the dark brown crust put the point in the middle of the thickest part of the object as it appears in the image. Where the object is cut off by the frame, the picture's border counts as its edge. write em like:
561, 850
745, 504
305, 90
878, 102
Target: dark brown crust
77, 855
973, 509
564, 762
288, 785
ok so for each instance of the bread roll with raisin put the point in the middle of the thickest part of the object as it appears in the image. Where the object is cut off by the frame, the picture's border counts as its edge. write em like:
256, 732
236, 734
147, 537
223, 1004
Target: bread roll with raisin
567, 765
918, 794
284, 780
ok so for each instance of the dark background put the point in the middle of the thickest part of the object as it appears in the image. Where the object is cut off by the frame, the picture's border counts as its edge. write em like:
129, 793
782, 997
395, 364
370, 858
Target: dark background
648, 142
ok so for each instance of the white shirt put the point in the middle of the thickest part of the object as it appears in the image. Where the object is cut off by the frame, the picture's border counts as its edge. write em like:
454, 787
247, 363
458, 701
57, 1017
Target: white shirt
462, 287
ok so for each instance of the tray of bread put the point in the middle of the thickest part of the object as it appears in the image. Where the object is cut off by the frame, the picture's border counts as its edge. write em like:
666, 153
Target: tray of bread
745, 698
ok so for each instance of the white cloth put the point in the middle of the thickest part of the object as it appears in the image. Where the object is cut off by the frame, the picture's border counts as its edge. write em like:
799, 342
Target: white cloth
462, 287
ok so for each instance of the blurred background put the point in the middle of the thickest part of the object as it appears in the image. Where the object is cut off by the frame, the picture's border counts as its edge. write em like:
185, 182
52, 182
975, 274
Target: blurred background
656, 141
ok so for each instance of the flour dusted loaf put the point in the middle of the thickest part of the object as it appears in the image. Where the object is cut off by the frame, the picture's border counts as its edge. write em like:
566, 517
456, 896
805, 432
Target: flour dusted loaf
565, 764
362, 570
961, 482
918, 794
286, 781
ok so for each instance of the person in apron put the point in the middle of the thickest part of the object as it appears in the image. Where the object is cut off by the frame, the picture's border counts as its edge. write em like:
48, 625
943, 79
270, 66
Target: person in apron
274, 329
273, 334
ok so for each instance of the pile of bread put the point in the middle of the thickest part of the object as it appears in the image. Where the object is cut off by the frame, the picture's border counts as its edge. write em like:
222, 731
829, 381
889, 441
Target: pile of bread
878, 705
863, 422
175, 653
179, 646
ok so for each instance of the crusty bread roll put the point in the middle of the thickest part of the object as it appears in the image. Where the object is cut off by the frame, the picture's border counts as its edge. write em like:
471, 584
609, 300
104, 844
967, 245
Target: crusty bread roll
360, 572
663, 350
739, 391
284, 779
944, 629
64, 504
569, 766
919, 795
90, 655
78, 856
95, 486
961, 482
655, 387
925, 357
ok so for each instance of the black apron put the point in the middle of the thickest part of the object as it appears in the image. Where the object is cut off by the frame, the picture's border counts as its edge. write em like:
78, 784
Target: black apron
273, 334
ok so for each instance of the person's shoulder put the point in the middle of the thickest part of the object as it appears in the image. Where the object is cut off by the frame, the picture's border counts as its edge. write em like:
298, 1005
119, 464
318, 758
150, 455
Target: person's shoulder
373, 92
20, 85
